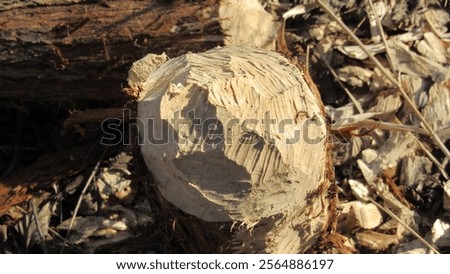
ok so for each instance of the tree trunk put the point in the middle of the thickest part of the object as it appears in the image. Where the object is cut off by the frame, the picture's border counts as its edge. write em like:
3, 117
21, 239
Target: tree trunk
74, 50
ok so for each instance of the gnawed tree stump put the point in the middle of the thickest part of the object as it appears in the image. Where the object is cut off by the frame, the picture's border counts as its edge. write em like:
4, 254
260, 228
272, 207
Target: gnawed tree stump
237, 134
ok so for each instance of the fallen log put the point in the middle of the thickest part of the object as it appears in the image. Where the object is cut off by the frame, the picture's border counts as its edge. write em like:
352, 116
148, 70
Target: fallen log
72, 50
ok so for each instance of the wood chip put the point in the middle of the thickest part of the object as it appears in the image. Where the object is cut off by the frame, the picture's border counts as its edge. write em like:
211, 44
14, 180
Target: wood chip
414, 64
438, 20
375, 240
379, 81
369, 155
387, 104
397, 146
437, 110
415, 170
298, 10
447, 195
246, 23
440, 233
415, 87
90, 226
354, 75
433, 47
360, 190
142, 68
112, 181
360, 215
413, 247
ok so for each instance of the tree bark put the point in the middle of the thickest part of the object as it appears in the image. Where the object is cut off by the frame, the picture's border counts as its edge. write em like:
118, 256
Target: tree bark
75, 50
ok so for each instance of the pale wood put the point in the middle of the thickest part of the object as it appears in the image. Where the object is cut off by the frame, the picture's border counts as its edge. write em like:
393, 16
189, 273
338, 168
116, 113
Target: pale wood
415, 170
246, 23
397, 146
355, 214
375, 240
277, 189
438, 107
446, 195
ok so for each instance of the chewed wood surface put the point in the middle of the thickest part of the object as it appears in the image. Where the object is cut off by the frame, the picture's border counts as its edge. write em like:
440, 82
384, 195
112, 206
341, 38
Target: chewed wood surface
267, 151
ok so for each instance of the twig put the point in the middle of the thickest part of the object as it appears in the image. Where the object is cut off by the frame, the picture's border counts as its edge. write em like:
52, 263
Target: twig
432, 158
381, 31
392, 214
371, 124
57, 235
359, 24
77, 207
349, 94
61, 238
308, 52
428, 153
389, 76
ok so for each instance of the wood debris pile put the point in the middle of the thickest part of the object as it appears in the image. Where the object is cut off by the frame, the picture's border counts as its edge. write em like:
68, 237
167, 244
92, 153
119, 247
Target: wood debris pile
391, 171
107, 209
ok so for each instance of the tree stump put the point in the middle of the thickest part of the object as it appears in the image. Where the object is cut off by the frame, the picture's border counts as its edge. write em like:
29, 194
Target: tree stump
237, 134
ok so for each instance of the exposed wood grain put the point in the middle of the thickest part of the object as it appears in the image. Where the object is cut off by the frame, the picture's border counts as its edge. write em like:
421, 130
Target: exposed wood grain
246, 141
437, 109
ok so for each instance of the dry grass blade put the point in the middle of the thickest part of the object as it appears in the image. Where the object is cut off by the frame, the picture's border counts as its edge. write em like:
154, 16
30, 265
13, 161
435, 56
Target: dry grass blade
389, 76
433, 159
